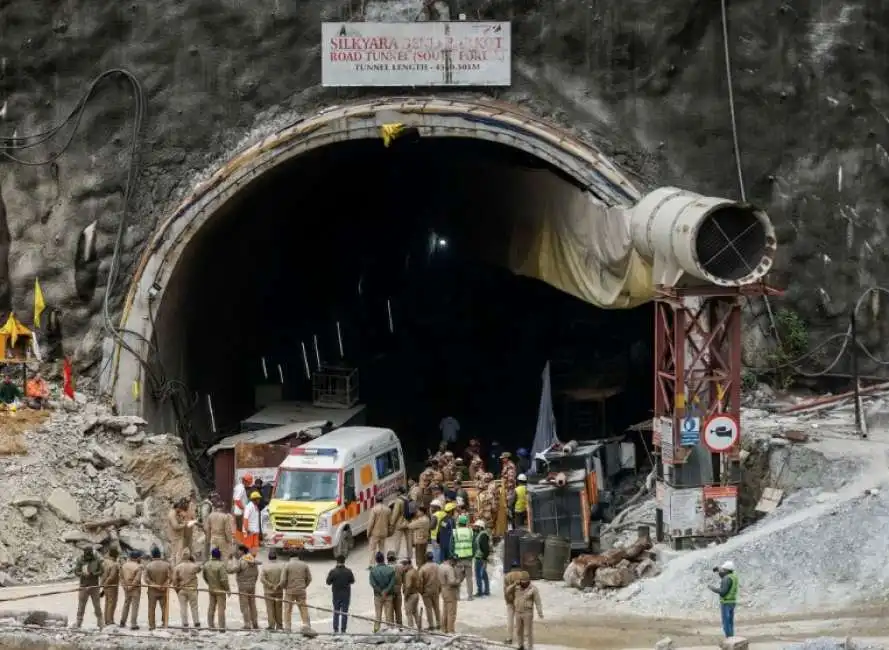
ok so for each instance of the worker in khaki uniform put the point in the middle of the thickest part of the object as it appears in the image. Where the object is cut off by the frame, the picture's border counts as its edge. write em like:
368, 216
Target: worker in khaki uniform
419, 528
295, 580
378, 529
397, 601
216, 577
179, 529
527, 599
158, 575
399, 524
410, 591
110, 582
270, 579
450, 593
185, 584
89, 571
509, 579
131, 579
246, 575
219, 528
430, 592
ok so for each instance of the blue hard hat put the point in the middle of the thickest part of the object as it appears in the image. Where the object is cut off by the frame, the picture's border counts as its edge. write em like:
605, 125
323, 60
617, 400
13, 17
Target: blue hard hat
522, 452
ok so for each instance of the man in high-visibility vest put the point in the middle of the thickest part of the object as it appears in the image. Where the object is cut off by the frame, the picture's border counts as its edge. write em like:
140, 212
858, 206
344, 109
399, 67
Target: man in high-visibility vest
520, 508
461, 550
728, 596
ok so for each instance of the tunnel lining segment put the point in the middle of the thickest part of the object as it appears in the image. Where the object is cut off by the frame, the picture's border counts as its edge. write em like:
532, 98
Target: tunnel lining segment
433, 117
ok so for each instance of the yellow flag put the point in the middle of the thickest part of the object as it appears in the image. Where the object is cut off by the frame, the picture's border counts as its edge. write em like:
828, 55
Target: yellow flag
137, 390
39, 303
11, 328
390, 132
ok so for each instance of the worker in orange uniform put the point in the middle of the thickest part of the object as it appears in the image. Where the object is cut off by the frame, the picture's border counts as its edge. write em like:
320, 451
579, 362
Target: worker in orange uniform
251, 522
36, 392
239, 501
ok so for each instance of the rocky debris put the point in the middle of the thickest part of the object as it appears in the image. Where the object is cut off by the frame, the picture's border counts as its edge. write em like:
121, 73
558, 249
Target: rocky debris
36, 617
615, 568
734, 643
832, 643
665, 644
116, 639
84, 482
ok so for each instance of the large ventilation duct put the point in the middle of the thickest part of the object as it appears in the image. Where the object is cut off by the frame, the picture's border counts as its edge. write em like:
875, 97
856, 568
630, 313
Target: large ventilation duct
693, 239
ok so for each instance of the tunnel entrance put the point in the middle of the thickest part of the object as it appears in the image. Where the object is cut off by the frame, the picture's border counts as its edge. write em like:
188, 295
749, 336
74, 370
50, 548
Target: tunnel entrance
390, 259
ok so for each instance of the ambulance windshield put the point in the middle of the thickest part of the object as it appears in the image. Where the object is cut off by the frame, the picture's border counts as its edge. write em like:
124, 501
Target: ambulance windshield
307, 485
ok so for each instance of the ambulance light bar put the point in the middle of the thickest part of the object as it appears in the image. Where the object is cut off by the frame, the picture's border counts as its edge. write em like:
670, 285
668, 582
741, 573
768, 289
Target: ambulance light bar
304, 451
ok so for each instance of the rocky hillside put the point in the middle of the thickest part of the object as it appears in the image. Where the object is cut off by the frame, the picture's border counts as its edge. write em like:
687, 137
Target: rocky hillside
647, 80
81, 477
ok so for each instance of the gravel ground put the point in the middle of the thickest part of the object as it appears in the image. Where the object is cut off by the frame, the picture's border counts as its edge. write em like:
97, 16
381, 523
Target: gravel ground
831, 643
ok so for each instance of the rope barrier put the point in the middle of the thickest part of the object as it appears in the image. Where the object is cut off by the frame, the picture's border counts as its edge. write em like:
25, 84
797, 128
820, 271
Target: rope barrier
401, 627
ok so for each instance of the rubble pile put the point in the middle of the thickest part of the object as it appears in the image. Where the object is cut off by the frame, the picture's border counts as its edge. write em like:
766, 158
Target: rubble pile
88, 478
615, 568
15, 638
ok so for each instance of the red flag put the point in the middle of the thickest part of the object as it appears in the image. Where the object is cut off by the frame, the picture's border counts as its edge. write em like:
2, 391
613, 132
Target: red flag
69, 379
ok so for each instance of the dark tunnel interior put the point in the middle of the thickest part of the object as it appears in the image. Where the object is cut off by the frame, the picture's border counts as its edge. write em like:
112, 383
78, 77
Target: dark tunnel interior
344, 235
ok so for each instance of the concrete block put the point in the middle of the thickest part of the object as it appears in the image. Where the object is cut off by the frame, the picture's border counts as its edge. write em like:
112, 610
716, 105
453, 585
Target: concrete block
665, 644
734, 643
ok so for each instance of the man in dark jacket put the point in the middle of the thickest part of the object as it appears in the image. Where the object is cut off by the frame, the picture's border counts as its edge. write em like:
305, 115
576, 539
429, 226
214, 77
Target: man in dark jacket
446, 530
88, 571
382, 581
340, 580
481, 551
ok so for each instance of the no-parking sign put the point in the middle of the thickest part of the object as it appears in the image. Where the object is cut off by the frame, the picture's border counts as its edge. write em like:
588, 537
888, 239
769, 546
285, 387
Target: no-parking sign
722, 432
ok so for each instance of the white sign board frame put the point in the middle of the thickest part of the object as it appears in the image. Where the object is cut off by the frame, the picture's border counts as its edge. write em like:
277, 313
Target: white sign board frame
721, 433
461, 53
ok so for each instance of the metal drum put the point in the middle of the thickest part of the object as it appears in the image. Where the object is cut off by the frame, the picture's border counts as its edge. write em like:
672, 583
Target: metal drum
531, 552
556, 556
511, 548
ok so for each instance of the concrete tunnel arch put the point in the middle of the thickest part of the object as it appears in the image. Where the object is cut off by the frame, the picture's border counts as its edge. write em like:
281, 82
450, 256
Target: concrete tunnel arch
497, 122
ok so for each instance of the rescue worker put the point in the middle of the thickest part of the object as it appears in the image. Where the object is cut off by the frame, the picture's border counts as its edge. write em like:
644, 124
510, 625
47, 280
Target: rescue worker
448, 468
510, 579
414, 493
484, 501
382, 581
177, 528
216, 577
111, 583
271, 579
507, 473
474, 448
498, 518
89, 571
450, 579
219, 530
341, 580
437, 515
476, 467
397, 602
728, 596
461, 473
425, 481
437, 475
131, 578
185, 584
246, 574
461, 550
524, 461
398, 521
526, 600
430, 591
378, 529
481, 551
239, 500
36, 392
418, 529
158, 575
410, 590
251, 530
204, 510
520, 504
295, 580
446, 531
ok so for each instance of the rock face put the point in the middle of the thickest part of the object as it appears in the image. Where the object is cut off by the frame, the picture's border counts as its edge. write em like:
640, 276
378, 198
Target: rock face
644, 80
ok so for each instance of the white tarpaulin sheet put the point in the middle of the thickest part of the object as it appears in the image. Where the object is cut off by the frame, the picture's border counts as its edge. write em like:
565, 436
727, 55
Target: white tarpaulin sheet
416, 54
545, 436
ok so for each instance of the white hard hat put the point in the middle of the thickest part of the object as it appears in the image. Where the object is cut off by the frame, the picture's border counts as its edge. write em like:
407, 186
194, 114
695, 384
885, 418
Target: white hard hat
478, 523
436, 503
728, 566
522, 477
460, 501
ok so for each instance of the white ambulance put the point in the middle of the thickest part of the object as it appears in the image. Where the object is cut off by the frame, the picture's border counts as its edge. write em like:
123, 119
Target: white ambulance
325, 489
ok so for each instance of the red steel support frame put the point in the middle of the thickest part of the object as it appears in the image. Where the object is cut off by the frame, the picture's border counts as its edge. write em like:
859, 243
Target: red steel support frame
697, 365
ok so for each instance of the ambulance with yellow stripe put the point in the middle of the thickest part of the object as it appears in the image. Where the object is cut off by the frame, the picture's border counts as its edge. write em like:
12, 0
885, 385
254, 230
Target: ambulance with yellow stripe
326, 488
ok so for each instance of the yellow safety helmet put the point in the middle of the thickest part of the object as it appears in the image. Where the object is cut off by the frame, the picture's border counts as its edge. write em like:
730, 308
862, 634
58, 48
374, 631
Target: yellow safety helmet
255, 495
450, 507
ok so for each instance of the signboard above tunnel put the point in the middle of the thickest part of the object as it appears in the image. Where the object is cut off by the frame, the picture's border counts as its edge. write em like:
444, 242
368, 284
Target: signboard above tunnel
416, 54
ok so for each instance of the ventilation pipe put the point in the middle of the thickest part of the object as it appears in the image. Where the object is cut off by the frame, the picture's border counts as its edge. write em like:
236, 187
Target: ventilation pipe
693, 239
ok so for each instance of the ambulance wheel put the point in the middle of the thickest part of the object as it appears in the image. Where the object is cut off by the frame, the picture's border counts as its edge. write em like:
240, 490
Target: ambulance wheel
345, 544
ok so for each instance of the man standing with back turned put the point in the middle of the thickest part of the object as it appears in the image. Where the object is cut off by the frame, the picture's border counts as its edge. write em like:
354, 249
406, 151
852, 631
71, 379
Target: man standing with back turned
728, 596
